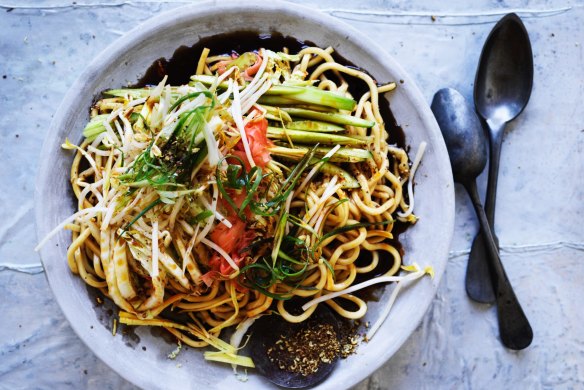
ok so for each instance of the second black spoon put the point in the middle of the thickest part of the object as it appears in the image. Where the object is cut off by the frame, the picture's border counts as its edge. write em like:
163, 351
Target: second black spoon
502, 89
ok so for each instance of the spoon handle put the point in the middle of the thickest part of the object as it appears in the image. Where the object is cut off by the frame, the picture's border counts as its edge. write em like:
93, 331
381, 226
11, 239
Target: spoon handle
496, 131
514, 328
478, 283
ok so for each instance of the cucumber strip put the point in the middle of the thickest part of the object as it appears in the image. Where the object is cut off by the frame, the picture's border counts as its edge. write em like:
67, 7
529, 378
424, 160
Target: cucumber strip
315, 126
341, 119
313, 137
346, 179
347, 155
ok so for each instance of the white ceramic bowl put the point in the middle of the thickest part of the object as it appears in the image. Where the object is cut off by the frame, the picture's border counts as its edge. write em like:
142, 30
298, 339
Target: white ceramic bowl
124, 62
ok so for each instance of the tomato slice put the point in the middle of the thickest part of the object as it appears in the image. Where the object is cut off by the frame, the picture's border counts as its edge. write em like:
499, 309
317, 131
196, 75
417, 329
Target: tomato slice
256, 132
231, 240
228, 238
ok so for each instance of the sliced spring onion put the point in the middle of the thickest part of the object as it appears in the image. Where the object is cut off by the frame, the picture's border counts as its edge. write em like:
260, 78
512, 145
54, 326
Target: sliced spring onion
140, 214
280, 231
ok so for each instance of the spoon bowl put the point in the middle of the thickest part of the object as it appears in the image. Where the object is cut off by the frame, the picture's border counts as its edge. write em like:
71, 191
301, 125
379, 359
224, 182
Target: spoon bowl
462, 132
502, 89
504, 77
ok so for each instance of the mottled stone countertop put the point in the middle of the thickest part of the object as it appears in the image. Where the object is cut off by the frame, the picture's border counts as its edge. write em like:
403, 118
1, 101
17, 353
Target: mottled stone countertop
45, 45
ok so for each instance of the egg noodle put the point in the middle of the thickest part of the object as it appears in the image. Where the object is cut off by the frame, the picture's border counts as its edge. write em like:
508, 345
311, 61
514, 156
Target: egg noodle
261, 180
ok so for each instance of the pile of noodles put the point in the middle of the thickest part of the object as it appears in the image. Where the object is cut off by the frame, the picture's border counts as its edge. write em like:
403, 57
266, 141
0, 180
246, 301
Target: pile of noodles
142, 246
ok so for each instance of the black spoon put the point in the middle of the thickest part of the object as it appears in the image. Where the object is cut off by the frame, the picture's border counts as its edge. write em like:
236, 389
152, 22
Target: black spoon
466, 144
502, 89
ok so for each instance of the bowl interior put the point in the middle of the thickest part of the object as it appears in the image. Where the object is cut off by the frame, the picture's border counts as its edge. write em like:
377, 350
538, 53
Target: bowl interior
141, 355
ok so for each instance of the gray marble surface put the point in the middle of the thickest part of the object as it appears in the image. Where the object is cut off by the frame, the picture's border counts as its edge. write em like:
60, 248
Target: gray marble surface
45, 45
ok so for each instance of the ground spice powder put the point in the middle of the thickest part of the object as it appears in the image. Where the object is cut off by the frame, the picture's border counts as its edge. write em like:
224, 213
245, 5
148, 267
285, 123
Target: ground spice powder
306, 350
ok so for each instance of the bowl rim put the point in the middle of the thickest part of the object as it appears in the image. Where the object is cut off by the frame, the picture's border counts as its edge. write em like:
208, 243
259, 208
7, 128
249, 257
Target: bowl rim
186, 12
